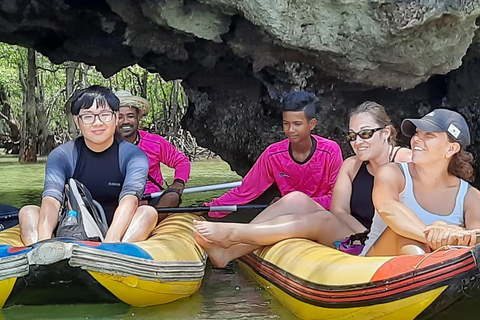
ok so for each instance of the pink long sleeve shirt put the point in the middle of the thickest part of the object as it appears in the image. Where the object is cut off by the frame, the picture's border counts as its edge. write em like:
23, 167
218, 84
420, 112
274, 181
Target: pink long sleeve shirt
159, 150
315, 177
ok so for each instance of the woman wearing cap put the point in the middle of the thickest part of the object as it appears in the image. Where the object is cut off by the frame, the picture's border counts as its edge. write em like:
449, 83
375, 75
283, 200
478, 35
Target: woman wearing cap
372, 137
428, 203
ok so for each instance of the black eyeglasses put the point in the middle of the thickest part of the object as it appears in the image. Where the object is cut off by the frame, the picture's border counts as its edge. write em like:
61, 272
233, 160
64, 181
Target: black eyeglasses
105, 116
364, 134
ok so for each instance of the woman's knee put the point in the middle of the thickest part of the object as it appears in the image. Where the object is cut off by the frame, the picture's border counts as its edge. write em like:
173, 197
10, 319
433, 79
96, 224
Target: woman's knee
300, 200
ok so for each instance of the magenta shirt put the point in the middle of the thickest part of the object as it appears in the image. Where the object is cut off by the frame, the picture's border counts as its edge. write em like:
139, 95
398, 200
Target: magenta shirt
159, 150
315, 177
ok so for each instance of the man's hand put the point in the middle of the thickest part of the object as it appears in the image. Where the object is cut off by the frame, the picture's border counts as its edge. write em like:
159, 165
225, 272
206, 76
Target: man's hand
177, 186
440, 234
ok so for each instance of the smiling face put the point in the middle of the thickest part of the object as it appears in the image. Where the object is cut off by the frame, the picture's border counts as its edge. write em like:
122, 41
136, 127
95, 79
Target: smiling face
99, 133
431, 147
374, 147
296, 126
128, 120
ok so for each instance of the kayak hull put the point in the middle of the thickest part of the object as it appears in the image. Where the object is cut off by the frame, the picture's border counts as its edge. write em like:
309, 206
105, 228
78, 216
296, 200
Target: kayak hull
317, 282
168, 266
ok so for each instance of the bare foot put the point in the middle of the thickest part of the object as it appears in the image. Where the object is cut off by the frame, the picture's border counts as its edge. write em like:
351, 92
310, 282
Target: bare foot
218, 233
214, 251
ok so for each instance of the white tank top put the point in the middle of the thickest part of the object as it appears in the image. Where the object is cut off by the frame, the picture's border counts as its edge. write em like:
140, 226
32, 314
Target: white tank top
407, 197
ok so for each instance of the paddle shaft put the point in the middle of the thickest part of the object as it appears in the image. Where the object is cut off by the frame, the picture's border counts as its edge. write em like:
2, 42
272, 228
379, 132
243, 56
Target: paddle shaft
14, 215
213, 208
212, 187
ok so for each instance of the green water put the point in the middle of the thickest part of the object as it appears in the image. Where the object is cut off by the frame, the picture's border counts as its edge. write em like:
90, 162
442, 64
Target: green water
224, 294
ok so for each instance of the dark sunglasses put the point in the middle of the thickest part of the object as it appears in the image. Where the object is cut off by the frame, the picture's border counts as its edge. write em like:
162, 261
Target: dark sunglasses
364, 134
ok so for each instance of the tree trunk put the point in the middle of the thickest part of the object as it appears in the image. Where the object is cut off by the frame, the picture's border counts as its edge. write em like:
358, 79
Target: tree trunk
70, 87
28, 142
46, 143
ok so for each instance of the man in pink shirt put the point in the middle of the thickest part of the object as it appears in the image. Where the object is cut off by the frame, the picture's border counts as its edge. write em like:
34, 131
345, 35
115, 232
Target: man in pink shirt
302, 162
157, 149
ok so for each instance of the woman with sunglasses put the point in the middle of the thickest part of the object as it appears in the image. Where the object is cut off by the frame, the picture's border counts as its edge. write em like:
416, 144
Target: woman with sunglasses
428, 203
372, 137
113, 170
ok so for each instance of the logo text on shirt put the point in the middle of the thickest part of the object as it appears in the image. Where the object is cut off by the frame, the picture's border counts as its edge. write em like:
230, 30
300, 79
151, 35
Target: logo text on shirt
114, 184
283, 175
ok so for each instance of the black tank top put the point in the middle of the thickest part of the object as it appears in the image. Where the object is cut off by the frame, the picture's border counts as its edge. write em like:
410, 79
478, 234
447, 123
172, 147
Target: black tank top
361, 204
100, 173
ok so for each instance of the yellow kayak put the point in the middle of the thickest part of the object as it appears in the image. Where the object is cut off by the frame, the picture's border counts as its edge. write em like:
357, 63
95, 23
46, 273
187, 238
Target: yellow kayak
168, 266
317, 282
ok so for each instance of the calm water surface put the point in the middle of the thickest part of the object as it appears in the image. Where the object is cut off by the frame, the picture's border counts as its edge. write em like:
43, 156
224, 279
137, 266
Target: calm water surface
225, 294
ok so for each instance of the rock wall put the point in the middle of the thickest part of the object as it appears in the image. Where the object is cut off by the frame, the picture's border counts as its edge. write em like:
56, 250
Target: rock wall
238, 58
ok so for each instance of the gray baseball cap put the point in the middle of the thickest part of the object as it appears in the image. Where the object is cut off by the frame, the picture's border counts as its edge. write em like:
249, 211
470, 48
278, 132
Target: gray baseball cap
440, 120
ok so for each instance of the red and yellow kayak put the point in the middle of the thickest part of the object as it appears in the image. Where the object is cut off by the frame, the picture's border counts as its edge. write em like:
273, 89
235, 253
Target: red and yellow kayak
317, 282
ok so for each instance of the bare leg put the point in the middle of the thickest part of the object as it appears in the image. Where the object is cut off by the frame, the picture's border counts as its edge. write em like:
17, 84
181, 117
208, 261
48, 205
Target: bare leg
169, 200
392, 244
291, 203
142, 225
321, 226
28, 218
220, 256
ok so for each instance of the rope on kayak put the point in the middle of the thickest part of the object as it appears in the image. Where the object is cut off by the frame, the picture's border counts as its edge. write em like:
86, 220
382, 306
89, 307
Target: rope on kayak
443, 248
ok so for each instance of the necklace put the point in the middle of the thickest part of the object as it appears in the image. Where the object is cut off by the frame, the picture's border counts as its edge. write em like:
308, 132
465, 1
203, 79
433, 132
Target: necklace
137, 139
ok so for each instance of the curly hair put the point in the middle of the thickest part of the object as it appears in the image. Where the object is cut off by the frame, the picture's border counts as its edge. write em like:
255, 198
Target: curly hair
461, 164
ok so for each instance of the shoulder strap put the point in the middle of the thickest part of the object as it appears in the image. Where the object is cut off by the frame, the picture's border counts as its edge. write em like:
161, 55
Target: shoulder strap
408, 177
462, 193
395, 154
155, 182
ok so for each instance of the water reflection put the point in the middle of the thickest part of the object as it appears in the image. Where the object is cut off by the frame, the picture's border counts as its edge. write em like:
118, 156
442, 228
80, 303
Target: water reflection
225, 294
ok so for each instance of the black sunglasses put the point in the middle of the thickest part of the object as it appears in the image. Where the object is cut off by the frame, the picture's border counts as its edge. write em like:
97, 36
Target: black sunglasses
364, 134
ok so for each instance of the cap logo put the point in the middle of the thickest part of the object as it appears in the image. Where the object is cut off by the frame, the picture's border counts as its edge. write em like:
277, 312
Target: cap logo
453, 130
431, 114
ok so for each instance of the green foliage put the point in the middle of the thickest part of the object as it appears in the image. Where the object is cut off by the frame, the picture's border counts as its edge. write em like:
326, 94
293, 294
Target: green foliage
51, 84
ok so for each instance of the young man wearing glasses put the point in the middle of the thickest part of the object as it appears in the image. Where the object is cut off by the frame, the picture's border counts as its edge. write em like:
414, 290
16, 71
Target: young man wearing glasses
157, 149
113, 170
302, 162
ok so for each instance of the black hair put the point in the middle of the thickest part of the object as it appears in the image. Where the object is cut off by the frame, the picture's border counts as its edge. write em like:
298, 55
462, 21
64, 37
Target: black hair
84, 98
301, 101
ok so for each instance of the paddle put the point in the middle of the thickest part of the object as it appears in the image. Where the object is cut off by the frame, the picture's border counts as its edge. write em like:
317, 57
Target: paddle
213, 208
212, 187
14, 215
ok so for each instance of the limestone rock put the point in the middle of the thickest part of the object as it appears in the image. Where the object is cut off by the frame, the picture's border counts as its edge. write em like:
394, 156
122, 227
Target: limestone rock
238, 58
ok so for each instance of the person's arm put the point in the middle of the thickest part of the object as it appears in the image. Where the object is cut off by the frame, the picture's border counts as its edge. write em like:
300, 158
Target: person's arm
173, 158
388, 184
342, 194
122, 218
257, 180
48, 218
335, 164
